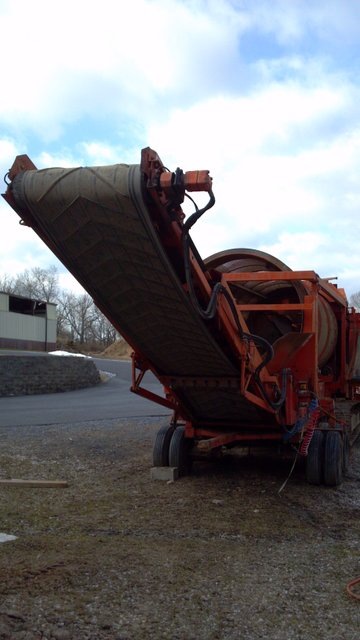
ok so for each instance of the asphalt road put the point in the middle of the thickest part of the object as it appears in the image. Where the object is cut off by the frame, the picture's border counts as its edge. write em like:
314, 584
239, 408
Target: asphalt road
108, 400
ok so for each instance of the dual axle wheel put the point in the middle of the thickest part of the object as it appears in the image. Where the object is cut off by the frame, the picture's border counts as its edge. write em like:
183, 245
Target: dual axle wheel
327, 458
326, 462
172, 449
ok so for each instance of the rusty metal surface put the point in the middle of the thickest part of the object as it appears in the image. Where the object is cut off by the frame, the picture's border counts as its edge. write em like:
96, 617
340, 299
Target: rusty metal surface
100, 229
271, 326
327, 331
355, 369
252, 260
274, 326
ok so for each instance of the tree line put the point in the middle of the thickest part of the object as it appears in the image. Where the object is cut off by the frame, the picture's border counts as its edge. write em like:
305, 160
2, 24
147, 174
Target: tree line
79, 322
355, 300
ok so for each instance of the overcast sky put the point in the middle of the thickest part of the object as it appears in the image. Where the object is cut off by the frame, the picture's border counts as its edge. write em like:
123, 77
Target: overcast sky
263, 93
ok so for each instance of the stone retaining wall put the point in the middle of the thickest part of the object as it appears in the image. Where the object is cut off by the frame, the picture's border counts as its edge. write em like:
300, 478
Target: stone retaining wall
27, 375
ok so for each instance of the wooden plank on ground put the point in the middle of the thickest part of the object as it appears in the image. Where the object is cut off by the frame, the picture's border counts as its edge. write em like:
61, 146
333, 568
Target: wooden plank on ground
41, 484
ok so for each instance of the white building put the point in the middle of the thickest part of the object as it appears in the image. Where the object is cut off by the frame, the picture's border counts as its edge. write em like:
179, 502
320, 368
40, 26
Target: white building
26, 323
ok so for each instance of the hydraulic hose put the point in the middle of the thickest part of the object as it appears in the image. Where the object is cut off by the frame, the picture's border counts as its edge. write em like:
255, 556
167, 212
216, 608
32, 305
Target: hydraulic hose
210, 311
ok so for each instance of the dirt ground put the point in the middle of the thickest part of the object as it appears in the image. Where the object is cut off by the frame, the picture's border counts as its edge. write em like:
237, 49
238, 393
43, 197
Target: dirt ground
217, 555
120, 350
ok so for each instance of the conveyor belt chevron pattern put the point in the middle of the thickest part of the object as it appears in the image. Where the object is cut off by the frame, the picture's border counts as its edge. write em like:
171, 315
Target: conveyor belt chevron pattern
96, 221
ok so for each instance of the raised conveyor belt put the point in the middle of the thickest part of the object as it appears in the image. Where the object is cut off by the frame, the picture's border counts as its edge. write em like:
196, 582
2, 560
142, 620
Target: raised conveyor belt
96, 222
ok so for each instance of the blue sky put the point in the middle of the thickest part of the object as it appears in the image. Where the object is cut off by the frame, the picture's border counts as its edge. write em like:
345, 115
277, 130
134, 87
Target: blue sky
263, 93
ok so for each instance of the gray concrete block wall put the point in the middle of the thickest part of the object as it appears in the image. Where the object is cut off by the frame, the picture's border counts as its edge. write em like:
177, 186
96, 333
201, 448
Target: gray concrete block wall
27, 375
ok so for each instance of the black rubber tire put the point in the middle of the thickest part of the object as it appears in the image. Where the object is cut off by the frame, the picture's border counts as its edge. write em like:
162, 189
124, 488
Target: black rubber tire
333, 459
161, 445
179, 452
346, 453
315, 459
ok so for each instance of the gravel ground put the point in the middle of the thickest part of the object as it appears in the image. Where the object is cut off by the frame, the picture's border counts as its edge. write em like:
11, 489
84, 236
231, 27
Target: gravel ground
217, 555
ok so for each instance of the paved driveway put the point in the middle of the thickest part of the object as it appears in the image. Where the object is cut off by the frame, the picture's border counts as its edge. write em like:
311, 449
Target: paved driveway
108, 400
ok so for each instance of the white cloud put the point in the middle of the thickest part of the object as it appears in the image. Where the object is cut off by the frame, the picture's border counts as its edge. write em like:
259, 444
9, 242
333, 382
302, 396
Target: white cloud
280, 134
22, 249
91, 59
90, 153
290, 22
100, 153
228, 126
283, 174
136, 60
297, 248
8, 150
68, 283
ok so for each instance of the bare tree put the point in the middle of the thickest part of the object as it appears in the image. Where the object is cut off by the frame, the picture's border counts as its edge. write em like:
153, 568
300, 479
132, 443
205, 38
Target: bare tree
103, 331
38, 283
78, 319
78, 314
7, 284
355, 300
